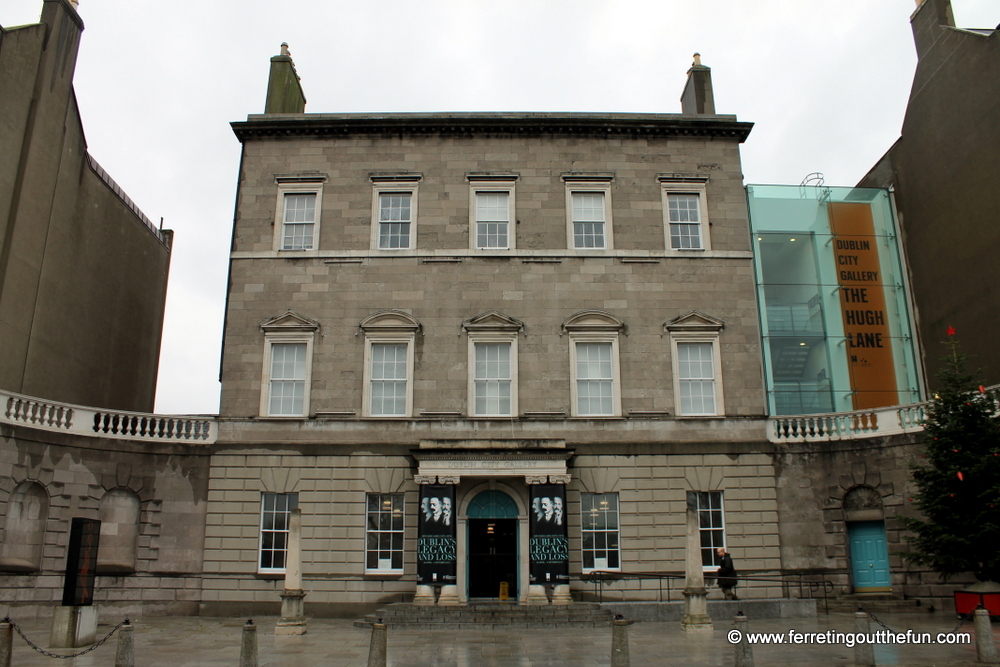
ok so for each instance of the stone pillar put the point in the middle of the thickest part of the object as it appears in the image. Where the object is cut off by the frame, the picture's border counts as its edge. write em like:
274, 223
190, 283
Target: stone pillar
248, 646
437, 543
293, 621
125, 655
744, 651
6, 642
864, 652
696, 618
986, 649
619, 643
449, 591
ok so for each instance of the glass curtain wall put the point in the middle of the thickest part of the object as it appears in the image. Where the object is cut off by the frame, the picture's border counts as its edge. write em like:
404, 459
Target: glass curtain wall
832, 292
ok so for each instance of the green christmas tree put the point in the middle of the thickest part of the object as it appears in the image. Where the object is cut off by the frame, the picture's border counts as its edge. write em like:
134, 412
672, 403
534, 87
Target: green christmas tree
958, 478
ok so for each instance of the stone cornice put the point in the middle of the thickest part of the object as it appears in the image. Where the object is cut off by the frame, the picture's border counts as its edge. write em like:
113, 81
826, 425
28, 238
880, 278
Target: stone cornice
259, 126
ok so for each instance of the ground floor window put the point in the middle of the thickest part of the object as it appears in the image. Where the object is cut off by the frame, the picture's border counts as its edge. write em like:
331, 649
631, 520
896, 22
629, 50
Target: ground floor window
711, 525
599, 532
384, 533
275, 510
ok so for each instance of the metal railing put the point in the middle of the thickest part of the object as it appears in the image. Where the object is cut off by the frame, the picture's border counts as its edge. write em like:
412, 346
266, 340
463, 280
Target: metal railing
806, 584
67, 418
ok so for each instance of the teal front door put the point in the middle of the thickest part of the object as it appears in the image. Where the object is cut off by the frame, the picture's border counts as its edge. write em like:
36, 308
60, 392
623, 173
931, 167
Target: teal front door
869, 556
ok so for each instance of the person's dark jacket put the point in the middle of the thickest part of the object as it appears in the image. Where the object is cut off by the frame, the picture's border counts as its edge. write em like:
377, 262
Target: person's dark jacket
726, 573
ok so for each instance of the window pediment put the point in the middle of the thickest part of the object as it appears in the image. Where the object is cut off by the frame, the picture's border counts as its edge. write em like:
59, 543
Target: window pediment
493, 320
389, 320
594, 320
694, 322
289, 321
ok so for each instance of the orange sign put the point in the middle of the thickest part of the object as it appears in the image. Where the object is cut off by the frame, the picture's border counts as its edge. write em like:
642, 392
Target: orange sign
862, 304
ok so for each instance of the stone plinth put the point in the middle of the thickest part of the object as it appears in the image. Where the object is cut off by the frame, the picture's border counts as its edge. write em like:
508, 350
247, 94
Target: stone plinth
292, 621
73, 627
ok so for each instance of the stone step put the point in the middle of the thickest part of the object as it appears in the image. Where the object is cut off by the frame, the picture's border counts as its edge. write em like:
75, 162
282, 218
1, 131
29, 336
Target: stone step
879, 603
405, 615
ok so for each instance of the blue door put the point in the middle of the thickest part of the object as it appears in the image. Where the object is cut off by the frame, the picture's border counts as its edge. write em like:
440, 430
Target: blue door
869, 556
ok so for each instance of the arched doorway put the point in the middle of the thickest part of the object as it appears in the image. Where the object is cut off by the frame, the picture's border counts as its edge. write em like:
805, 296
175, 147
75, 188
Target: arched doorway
492, 545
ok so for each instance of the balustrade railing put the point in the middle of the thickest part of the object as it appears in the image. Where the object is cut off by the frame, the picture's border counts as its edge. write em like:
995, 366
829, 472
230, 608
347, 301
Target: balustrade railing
80, 420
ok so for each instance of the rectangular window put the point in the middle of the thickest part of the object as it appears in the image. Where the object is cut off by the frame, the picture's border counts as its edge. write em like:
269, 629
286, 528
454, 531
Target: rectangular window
384, 533
275, 509
599, 531
594, 379
394, 220
288, 380
711, 526
588, 220
492, 379
684, 214
299, 221
388, 379
696, 372
492, 219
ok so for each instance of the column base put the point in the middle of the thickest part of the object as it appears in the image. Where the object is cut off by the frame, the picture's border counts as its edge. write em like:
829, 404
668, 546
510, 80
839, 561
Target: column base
292, 621
449, 596
536, 595
696, 618
424, 595
561, 595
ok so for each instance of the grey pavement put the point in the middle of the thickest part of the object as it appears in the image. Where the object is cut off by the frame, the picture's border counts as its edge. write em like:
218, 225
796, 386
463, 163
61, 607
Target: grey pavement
210, 642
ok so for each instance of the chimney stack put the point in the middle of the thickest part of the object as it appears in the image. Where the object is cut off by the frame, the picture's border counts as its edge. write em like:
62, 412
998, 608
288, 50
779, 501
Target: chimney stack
698, 98
284, 91
929, 21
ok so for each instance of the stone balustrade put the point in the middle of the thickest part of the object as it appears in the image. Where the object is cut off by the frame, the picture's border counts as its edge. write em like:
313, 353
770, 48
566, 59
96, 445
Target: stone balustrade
62, 417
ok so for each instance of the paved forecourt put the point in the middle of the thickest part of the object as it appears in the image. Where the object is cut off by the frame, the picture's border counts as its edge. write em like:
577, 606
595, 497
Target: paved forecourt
211, 642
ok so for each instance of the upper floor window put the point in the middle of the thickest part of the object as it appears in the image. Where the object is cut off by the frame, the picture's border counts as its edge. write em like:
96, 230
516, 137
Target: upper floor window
492, 364
595, 375
388, 390
697, 367
297, 216
394, 211
492, 210
286, 377
588, 208
685, 215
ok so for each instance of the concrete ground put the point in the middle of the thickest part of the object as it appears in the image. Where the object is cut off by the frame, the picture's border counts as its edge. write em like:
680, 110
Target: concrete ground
212, 642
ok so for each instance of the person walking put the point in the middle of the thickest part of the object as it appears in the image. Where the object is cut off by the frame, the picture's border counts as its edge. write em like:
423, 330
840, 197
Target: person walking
726, 574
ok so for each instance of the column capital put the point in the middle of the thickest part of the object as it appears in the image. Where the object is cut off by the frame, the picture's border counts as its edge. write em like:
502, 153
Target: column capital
536, 479
449, 479
425, 479
559, 479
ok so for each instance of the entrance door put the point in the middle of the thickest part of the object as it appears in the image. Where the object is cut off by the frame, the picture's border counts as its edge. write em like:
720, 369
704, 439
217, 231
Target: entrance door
869, 556
492, 557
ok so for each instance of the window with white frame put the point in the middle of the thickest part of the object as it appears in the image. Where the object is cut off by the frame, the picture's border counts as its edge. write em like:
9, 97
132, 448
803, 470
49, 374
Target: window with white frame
696, 374
599, 531
595, 382
286, 376
696, 365
491, 211
275, 512
588, 207
388, 390
297, 215
711, 526
492, 383
384, 533
685, 216
389, 378
394, 213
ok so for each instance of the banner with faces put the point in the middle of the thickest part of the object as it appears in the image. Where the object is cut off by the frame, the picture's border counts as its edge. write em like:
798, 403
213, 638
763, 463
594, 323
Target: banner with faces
548, 545
436, 545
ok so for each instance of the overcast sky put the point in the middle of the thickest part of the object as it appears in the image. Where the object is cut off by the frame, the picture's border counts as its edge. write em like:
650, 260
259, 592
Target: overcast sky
159, 82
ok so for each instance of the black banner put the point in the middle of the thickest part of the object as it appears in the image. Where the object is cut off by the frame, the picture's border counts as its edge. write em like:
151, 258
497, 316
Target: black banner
81, 562
548, 546
436, 545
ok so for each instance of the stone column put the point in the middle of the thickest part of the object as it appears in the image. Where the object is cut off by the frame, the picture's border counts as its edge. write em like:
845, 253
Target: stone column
536, 589
696, 618
560, 592
424, 594
449, 591
292, 621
